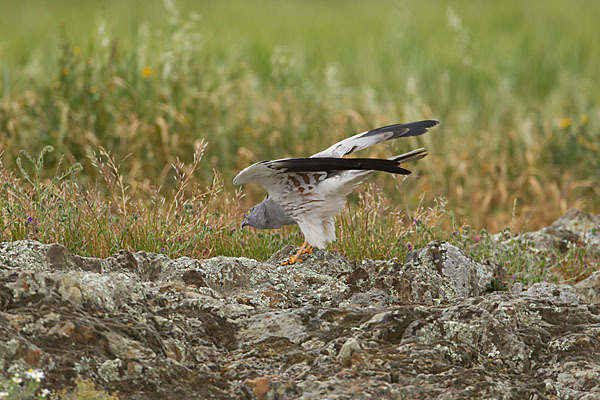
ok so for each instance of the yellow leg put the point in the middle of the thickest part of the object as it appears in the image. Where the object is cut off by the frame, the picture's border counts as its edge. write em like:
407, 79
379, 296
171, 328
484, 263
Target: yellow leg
307, 250
296, 257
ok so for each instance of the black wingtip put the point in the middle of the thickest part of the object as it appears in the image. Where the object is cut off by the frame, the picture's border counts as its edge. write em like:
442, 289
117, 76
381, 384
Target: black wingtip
404, 130
427, 123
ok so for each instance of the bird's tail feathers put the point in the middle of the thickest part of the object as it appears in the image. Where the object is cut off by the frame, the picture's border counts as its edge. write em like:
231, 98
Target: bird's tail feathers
410, 156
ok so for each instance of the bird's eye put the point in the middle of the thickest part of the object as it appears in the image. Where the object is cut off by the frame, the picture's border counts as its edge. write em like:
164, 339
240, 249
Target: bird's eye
248, 212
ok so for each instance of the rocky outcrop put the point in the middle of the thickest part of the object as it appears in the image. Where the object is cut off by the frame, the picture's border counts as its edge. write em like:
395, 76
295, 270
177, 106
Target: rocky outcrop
436, 326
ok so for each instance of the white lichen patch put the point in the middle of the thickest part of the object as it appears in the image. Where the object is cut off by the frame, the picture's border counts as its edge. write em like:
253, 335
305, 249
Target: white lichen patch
23, 255
109, 370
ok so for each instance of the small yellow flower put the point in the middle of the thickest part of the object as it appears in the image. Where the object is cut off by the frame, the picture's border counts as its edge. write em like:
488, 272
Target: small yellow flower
564, 123
147, 72
66, 71
92, 90
76, 51
585, 119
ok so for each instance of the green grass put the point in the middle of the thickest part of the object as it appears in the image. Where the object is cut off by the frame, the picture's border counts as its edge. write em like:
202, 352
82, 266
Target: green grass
100, 220
129, 94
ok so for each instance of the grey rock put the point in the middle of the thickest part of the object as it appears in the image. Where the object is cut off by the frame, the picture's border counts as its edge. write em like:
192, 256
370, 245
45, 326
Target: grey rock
153, 328
584, 226
550, 291
348, 350
574, 229
441, 271
589, 289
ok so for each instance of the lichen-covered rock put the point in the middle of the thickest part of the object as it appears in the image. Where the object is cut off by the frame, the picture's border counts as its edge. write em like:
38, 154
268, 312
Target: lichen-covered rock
441, 271
575, 228
152, 327
584, 226
556, 293
589, 289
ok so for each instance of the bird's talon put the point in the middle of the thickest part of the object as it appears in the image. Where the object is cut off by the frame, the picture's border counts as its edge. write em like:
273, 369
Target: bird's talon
293, 260
308, 250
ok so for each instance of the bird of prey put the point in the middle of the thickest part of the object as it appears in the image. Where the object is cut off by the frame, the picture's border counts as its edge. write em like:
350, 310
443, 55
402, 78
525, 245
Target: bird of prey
312, 191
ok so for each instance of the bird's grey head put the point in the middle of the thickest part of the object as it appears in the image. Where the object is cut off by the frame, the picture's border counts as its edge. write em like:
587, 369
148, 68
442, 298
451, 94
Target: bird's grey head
256, 217
267, 215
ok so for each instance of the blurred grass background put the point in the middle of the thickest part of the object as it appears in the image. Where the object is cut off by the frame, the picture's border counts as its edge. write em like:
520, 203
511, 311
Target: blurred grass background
515, 85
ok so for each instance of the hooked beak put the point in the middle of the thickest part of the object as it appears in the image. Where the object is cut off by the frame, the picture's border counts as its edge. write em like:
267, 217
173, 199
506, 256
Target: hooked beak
244, 223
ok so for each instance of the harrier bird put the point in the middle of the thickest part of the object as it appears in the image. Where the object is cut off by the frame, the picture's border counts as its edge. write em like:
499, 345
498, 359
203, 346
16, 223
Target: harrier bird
312, 191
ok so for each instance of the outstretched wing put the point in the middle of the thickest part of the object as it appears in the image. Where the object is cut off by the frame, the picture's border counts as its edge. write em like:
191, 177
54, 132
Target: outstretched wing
265, 172
366, 139
261, 172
